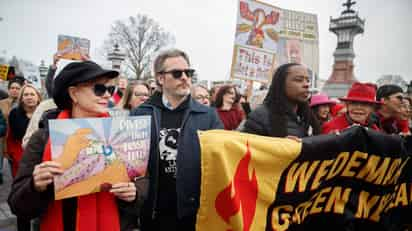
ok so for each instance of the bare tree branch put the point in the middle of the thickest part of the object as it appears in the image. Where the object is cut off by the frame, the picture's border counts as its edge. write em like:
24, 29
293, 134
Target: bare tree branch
140, 37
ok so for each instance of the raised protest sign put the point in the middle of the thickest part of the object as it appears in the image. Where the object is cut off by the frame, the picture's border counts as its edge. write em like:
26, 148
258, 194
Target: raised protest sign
4, 70
96, 153
31, 73
73, 48
268, 36
358, 180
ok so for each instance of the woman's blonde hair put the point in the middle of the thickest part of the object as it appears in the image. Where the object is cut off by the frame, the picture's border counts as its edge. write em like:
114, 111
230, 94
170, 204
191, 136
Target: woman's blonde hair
20, 99
127, 96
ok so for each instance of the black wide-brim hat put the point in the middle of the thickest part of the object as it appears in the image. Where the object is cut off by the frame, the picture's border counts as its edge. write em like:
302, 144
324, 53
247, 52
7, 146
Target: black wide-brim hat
75, 73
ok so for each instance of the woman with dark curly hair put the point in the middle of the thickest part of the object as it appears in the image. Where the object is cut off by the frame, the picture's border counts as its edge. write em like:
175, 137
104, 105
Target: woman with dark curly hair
285, 110
228, 108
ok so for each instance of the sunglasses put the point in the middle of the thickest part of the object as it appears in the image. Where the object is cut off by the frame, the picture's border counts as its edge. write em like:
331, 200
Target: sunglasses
100, 89
177, 74
138, 94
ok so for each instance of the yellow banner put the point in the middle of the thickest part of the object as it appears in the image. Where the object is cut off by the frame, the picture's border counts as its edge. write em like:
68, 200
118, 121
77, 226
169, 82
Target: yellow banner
239, 198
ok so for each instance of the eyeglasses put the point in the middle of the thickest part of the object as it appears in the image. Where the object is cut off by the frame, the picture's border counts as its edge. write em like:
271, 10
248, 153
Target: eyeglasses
201, 97
100, 89
177, 74
400, 97
138, 94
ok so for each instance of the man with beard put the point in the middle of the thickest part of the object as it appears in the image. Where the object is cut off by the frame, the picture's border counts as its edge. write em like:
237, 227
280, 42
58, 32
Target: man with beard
174, 164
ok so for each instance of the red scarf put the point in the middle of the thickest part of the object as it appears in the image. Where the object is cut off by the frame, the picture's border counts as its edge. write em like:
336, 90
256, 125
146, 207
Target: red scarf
95, 212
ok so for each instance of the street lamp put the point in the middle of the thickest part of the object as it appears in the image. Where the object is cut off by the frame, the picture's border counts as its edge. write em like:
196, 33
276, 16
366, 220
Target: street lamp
116, 57
43, 69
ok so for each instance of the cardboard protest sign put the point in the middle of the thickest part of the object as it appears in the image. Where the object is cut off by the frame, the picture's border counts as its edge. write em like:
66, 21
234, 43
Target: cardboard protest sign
98, 152
4, 70
31, 73
268, 36
73, 48
360, 178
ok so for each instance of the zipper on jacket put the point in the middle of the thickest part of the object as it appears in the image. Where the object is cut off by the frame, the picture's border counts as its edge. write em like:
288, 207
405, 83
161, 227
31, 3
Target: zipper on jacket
185, 118
157, 129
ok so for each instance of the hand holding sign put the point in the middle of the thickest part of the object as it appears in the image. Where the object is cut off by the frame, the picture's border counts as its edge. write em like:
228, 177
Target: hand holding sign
43, 174
124, 191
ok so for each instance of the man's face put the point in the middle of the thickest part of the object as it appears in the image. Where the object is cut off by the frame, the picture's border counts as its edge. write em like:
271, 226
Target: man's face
201, 95
14, 90
172, 86
297, 84
394, 103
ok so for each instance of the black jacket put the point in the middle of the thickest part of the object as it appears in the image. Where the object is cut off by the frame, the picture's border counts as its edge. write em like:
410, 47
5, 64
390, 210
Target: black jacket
27, 203
196, 117
258, 122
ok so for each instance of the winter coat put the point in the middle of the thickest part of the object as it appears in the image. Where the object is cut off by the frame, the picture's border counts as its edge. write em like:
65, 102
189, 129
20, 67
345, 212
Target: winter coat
342, 122
232, 118
197, 117
18, 122
24, 192
258, 122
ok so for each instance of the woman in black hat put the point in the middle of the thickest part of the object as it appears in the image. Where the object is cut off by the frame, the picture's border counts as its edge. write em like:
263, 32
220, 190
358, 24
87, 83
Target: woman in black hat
80, 90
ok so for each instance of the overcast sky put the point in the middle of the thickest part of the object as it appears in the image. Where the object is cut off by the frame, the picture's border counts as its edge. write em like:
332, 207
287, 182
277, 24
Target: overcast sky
206, 29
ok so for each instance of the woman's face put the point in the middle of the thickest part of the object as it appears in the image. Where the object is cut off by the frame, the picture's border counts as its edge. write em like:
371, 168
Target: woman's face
359, 112
323, 111
229, 97
30, 97
92, 98
140, 94
297, 84
14, 90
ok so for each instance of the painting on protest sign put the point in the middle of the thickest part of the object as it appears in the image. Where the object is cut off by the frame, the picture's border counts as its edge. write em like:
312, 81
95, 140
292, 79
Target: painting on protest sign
268, 36
4, 70
96, 153
73, 48
360, 178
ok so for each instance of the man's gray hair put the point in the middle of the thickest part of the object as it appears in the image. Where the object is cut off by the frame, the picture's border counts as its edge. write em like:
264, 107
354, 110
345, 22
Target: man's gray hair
199, 86
161, 58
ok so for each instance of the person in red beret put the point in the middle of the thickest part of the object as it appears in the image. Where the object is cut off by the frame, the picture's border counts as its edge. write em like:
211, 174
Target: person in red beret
360, 103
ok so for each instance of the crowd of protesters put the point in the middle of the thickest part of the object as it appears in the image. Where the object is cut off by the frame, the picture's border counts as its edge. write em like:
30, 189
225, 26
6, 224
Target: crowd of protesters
167, 198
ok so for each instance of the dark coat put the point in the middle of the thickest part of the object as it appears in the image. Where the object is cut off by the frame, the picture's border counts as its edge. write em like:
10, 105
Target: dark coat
3, 124
197, 117
27, 203
258, 122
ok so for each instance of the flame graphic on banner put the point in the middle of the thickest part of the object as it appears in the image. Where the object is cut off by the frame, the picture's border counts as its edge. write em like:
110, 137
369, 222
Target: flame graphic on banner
245, 194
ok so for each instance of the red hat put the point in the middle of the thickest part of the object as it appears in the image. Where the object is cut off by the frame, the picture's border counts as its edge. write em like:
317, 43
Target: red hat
362, 92
320, 99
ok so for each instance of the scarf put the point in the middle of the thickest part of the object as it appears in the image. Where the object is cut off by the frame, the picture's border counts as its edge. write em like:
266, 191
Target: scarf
95, 212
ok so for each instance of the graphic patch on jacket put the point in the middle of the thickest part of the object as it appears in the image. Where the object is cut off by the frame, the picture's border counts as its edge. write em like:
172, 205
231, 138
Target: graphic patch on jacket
168, 150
